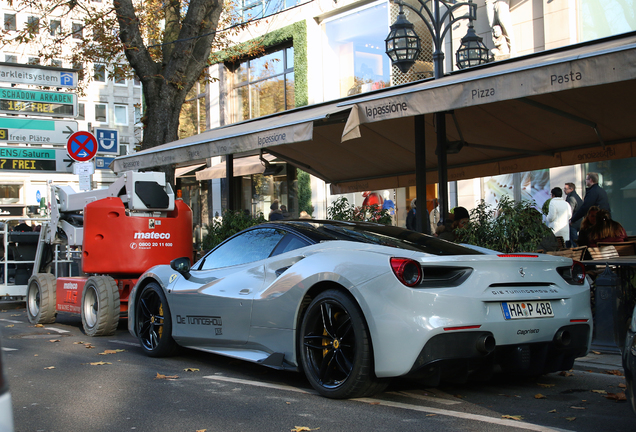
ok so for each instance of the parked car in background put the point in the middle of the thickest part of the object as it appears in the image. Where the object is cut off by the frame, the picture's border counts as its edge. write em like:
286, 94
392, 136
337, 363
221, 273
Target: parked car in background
629, 360
6, 410
355, 304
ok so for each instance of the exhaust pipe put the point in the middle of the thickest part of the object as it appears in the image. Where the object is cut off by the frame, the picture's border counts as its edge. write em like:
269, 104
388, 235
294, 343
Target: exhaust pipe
563, 338
485, 344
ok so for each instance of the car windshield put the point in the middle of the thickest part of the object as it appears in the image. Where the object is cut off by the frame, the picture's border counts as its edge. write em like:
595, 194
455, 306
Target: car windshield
393, 237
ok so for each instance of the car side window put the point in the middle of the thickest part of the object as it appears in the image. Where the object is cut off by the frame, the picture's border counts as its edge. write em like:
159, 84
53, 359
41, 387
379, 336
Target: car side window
253, 245
289, 243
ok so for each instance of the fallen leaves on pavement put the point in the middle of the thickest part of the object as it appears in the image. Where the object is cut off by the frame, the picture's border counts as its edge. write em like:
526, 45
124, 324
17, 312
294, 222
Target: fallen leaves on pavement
115, 351
614, 372
10, 325
566, 374
579, 408
539, 396
603, 392
166, 377
54, 340
512, 417
618, 397
552, 411
545, 385
302, 429
49, 367
191, 370
570, 418
100, 363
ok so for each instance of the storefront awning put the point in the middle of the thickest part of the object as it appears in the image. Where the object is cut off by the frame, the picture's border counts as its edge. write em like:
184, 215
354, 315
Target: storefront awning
242, 166
291, 127
556, 108
559, 107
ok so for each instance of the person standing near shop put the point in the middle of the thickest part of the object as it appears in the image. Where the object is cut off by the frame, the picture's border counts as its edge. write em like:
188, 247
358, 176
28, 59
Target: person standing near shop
559, 215
575, 202
594, 196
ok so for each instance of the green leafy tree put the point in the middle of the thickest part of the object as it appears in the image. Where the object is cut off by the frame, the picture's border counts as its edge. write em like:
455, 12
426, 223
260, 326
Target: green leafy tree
231, 223
342, 210
512, 226
167, 45
304, 192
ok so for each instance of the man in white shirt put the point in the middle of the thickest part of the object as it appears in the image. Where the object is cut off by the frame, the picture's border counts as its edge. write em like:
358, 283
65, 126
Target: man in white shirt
559, 214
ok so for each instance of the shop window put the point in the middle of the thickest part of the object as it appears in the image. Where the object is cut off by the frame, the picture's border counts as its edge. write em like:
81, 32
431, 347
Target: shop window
9, 194
101, 113
55, 28
78, 31
9, 22
33, 24
598, 19
354, 52
252, 9
193, 119
121, 115
99, 72
263, 85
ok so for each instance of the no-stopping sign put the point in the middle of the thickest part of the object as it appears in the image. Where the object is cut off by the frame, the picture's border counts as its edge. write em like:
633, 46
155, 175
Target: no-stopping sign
82, 146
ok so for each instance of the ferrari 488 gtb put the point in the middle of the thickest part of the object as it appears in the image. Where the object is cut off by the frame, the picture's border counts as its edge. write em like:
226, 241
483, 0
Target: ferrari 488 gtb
355, 304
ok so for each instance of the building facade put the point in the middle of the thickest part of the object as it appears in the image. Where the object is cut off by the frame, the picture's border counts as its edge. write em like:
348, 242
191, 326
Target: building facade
106, 103
322, 51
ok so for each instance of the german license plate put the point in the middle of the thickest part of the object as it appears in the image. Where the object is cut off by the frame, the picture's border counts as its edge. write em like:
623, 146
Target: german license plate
529, 309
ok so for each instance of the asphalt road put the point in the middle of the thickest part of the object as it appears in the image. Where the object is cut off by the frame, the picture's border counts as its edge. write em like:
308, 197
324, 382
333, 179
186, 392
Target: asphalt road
62, 380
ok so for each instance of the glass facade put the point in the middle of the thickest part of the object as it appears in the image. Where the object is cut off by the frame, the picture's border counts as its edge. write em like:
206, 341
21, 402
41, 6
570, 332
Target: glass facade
354, 55
263, 85
193, 117
618, 179
602, 18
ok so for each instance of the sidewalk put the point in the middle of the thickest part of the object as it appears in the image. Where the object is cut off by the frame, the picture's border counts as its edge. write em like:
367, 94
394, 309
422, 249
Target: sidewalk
599, 362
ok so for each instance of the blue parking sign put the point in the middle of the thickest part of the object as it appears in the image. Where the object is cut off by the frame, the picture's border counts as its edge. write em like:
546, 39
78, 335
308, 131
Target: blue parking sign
107, 140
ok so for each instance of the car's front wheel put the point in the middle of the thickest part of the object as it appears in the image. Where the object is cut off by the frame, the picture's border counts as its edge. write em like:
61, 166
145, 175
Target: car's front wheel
153, 322
336, 352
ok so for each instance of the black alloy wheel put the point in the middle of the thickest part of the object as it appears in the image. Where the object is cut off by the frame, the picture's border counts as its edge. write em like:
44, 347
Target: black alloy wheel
336, 348
154, 324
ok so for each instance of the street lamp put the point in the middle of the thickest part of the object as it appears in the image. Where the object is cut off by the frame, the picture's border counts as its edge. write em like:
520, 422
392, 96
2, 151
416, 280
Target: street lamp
472, 51
403, 47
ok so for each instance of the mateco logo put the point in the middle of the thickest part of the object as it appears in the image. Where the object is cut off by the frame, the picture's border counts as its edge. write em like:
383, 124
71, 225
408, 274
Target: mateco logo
151, 235
70, 285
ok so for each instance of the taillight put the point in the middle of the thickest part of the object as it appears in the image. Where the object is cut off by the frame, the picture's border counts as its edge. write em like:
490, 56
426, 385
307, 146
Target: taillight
408, 271
577, 272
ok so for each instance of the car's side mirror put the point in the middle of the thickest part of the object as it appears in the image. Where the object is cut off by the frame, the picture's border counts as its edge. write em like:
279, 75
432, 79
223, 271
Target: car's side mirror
181, 265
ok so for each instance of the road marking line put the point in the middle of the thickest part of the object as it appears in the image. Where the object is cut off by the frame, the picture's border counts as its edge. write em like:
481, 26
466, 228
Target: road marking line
260, 384
426, 398
10, 321
57, 330
9, 349
467, 416
125, 343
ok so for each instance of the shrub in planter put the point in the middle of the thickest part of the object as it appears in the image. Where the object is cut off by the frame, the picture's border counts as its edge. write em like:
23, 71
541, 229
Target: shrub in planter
511, 226
232, 222
340, 209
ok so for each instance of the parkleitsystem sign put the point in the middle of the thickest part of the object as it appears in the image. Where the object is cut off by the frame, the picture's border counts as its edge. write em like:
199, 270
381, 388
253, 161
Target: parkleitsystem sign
37, 103
38, 75
32, 159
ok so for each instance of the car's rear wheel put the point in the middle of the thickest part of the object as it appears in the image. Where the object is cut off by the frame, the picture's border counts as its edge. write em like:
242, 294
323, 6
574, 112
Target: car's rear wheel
40, 301
153, 322
100, 306
336, 352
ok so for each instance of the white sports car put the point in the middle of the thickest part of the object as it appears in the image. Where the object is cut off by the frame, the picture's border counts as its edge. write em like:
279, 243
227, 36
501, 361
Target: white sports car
354, 304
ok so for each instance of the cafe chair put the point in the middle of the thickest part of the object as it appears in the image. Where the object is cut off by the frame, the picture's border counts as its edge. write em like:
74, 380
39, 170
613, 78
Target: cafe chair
577, 253
627, 248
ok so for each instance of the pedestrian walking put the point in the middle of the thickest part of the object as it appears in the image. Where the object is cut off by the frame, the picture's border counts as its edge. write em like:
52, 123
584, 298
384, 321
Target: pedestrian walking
559, 214
594, 196
575, 201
